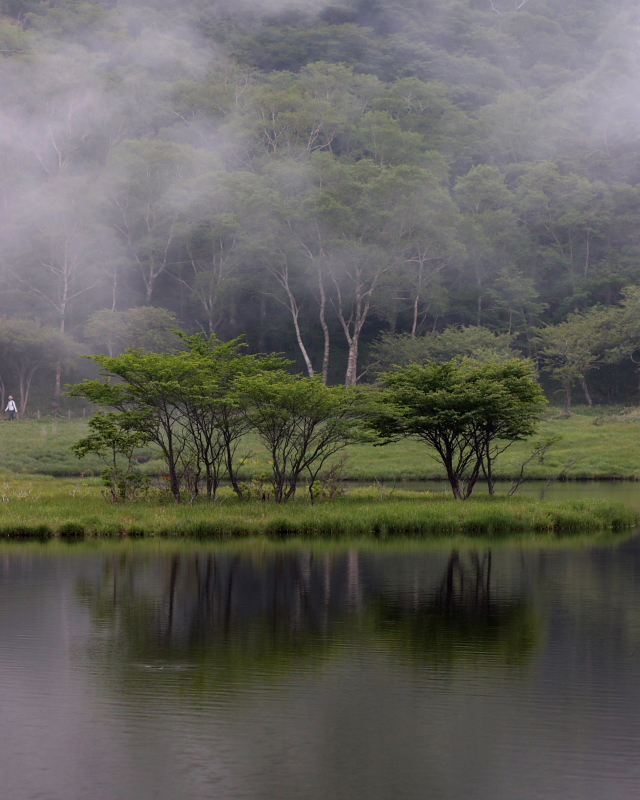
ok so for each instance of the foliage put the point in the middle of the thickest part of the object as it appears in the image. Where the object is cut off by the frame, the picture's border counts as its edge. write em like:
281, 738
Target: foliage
573, 348
319, 180
28, 347
145, 397
214, 405
113, 442
145, 327
477, 343
302, 424
467, 413
186, 402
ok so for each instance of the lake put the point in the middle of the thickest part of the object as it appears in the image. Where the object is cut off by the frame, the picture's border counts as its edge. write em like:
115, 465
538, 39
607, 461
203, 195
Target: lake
183, 671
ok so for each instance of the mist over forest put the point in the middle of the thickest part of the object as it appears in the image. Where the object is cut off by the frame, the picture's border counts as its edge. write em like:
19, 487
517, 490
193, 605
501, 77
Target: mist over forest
353, 185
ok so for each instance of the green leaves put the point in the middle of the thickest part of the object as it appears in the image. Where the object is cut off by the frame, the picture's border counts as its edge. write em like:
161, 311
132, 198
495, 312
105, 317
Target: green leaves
115, 438
302, 423
189, 402
463, 410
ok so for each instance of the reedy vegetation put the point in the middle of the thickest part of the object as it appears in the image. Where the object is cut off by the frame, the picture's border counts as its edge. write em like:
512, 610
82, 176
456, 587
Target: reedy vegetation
41, 508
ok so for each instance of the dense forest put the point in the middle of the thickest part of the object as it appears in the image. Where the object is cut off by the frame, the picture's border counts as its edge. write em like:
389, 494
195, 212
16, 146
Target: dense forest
352, 185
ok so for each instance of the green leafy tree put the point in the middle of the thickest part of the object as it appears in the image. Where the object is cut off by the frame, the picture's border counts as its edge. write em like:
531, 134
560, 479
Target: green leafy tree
302, 423
188, 402
214, 406
115, 443
144, 327
495, 240
568, 216
146, 184
620, 328
146, 394
572, 349
59, 265
477, 343
27, 348
468, 413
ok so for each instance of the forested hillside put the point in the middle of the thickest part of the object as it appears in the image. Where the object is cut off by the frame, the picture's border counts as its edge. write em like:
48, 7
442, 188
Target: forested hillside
318, 176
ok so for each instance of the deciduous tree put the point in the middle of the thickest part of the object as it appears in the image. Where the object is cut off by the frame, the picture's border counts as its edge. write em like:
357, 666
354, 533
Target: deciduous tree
466, 412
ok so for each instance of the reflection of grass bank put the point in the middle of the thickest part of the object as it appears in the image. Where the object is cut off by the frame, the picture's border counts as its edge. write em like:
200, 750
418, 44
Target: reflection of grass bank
260, 547
47, 507
599, 444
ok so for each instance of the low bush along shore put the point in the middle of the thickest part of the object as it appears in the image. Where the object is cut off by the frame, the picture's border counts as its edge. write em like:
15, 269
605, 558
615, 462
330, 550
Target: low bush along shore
46, 507
597, 443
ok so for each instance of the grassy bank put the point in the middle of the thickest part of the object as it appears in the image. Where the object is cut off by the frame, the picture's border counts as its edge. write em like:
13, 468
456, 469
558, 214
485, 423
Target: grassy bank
44, 508
604, 443
260, 547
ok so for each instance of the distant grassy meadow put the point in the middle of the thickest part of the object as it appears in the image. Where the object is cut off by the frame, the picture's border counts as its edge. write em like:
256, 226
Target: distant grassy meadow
602, 443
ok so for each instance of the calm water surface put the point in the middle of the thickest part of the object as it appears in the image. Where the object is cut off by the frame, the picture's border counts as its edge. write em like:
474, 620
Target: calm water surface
160, 672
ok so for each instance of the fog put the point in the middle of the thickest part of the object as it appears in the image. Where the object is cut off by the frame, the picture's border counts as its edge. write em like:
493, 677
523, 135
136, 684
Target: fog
299, 174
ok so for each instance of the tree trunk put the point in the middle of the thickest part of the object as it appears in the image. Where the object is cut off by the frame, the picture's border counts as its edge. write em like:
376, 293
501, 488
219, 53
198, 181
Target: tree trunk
353, 325
489, 473
455, 485
174, 483
325, 330
567, 403
414, 325
55, 403
282, 276
235, 483
27, 388
352, 362
585, 389
303, 349
114, 290
263, 318
471, 482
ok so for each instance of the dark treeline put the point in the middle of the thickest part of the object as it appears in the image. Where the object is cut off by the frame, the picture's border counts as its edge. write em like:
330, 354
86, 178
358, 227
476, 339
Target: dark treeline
316, 176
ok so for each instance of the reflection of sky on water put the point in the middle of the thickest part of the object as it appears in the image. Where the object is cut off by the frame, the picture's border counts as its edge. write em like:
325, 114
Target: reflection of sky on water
353, 675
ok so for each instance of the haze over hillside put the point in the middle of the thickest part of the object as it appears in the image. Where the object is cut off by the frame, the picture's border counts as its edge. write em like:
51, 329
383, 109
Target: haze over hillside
314, 176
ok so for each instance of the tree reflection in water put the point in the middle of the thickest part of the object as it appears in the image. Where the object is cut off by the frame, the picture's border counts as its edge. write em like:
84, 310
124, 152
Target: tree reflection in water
234, 615
458, 620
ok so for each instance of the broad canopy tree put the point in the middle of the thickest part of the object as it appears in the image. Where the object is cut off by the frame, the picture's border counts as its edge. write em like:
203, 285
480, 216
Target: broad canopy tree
185, 402
27, 348
302, 424
572, 349
467, 412
145, 327
196, 405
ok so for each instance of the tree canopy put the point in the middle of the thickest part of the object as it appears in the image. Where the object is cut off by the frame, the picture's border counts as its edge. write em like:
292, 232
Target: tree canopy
322, 179
468, 413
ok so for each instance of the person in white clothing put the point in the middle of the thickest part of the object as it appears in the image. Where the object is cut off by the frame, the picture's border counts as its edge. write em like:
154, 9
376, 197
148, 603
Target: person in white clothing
11, 408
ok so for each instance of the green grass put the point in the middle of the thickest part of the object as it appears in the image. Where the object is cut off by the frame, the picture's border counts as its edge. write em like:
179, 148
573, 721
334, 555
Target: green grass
603, 443
47, 507
260, 546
